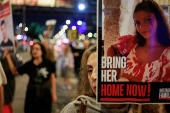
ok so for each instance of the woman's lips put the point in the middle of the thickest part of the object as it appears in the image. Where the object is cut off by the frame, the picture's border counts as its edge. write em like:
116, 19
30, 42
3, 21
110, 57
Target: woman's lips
145, 32
94, 87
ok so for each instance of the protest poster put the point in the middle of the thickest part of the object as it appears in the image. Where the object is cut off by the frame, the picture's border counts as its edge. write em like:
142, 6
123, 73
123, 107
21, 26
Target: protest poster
72, 34
50, 26
127, 71
6, 27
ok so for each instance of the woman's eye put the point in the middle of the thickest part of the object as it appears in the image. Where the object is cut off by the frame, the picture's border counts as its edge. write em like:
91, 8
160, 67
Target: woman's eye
90, 71
137, 23
148, 19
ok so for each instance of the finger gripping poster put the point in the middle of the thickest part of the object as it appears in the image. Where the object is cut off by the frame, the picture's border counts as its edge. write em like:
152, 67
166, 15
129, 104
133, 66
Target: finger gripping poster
133, 52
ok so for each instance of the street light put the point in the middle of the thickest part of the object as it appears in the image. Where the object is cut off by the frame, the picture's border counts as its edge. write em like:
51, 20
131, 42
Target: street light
68, 22
79, 22
73, 27
90, 34
26, 29
31, 43
81, 6
20, 25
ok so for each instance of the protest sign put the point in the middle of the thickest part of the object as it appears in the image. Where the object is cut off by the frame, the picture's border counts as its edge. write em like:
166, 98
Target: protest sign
6, 27
128, 71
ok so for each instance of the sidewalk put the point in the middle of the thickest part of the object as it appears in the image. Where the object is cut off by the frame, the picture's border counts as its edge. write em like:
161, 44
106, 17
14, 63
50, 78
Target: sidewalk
64, 95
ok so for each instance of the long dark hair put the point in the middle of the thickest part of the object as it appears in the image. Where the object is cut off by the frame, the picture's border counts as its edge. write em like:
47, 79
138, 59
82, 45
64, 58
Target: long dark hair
162, 31
84, 88
42, 49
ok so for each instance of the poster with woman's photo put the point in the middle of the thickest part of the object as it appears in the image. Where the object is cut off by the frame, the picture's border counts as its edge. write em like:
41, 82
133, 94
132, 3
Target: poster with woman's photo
6, 27
133, 52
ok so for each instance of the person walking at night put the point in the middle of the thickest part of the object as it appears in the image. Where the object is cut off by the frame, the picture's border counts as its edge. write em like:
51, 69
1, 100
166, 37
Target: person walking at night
9, 88
42, 78
77, 53
67, 66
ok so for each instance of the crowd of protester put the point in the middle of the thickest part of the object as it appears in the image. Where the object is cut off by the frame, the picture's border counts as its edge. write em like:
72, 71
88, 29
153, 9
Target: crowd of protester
43, 68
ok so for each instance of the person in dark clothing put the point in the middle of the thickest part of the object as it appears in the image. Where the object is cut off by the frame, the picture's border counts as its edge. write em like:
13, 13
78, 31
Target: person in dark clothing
3, 81
9, 88
78, 53
6, 43
1, 98
42, 79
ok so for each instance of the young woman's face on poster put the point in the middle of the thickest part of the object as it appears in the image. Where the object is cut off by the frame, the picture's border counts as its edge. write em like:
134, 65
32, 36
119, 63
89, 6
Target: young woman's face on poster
146, 24
92, 71
36, 51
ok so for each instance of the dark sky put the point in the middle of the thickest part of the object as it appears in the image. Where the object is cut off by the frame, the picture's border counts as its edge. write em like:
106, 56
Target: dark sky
61, 19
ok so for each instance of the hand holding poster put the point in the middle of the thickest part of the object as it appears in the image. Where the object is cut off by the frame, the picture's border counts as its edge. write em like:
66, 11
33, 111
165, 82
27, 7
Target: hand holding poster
136, 63
6, 27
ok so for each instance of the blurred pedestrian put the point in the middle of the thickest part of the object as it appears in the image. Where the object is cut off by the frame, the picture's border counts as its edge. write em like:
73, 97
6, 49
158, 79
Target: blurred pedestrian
9, 88
42, 78
86, 43
77, 53
2, 82
77, 56
50, 52
67, 65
